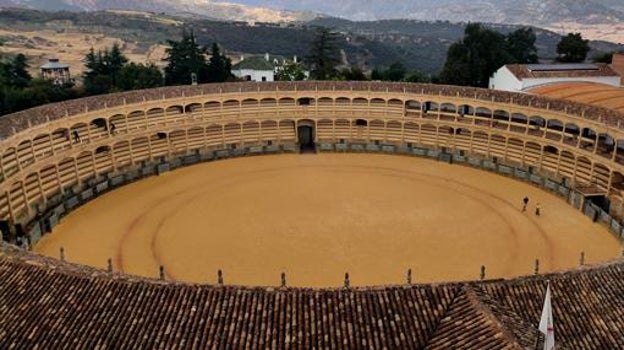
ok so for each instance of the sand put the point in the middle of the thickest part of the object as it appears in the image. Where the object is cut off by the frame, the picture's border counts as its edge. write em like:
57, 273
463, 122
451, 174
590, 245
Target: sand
316, 217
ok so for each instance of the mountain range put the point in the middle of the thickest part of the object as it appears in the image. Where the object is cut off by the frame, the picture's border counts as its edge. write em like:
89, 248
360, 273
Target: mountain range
187, 8
533, 12
525, 12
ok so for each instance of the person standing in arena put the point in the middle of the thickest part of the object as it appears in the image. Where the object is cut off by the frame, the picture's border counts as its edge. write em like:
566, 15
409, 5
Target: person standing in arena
525, 202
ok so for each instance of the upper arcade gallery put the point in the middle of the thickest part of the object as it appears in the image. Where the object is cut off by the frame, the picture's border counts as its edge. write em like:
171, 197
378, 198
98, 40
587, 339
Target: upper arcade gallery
48, 150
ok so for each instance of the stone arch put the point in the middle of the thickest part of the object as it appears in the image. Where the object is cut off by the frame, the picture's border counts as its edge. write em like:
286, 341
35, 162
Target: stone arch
483, 112
231, 104
212, 106
448, 107
466, 109
286, 101
361, 102
194, 107
176, 109
249, 102
519, 118
500, 114
342, 101
413, 105
555, 124
268, 102
395, 103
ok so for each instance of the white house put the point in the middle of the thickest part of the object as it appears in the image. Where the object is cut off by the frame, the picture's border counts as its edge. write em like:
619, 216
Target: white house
521, 77
255, 68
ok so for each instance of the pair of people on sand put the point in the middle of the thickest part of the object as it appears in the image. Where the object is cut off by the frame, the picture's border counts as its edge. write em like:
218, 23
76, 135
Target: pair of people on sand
525, 202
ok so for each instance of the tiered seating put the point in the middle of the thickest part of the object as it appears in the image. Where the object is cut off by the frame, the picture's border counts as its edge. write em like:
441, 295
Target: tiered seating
489, 124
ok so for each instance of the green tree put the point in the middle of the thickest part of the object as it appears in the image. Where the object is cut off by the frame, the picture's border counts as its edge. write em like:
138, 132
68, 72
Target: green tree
603, 57
185, 59
219, 67
323, 55
474, 58
138, 76
572, 48
114, 62
417, 77
103, 70
521, 46
396, 72
291, 71
352, 74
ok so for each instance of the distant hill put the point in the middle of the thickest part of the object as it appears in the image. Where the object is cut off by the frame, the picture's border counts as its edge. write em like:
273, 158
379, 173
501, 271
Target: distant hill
418, 45
533, 12
204, 8
595, 19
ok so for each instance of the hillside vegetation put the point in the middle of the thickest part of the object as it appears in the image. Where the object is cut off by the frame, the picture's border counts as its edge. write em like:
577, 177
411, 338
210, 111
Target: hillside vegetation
417, 45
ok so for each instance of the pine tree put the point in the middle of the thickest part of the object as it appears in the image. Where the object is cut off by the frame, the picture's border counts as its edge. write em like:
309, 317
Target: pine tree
323, 55
572, 48
473, 59
185, 59
219, 67
521, 44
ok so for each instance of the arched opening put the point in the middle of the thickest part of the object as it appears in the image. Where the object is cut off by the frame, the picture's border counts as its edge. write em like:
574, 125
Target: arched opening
588, 139
606, 145
412, 105
304, 101
394, 103
193, 108
465, 110
100, 123
360, 122
102, 149
448, 108
305, 132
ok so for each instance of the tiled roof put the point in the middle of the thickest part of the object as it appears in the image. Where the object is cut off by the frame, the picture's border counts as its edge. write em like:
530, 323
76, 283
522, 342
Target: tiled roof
592, 93
524, 71
45, 303
254, 63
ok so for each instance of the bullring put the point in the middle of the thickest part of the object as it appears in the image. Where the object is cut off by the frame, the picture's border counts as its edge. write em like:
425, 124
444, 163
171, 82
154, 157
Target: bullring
570, 148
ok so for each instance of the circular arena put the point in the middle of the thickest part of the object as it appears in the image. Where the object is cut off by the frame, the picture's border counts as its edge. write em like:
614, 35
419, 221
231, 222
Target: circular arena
439, 176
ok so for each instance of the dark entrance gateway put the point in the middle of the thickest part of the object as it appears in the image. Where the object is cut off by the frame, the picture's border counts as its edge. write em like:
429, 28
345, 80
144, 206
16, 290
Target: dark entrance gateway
305, 130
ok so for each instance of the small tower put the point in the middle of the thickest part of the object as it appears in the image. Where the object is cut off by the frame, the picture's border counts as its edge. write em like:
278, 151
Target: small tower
56, 72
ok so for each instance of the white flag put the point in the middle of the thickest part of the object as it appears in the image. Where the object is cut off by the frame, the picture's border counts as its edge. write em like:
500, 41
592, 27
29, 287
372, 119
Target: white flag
546, 325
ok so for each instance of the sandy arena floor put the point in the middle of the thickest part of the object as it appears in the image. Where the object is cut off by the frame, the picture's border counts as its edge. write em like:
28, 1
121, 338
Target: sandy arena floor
316, 217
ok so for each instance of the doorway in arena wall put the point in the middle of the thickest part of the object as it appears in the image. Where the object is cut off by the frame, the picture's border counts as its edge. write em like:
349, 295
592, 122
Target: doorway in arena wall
305, 130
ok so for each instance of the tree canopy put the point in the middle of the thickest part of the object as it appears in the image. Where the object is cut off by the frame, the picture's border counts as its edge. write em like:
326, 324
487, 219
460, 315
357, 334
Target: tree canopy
186, 60
108, 71
103, 69
323, 55
219, 66
187, 63
572, 48
18, 90
290, 71
472, 60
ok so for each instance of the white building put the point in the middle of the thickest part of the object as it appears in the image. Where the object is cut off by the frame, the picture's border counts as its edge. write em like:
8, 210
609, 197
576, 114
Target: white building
259, 68
255, 68
521, 77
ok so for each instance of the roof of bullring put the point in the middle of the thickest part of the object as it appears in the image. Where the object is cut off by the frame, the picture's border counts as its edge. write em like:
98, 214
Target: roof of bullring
592, 93
532, 71
19, 121
45, 303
